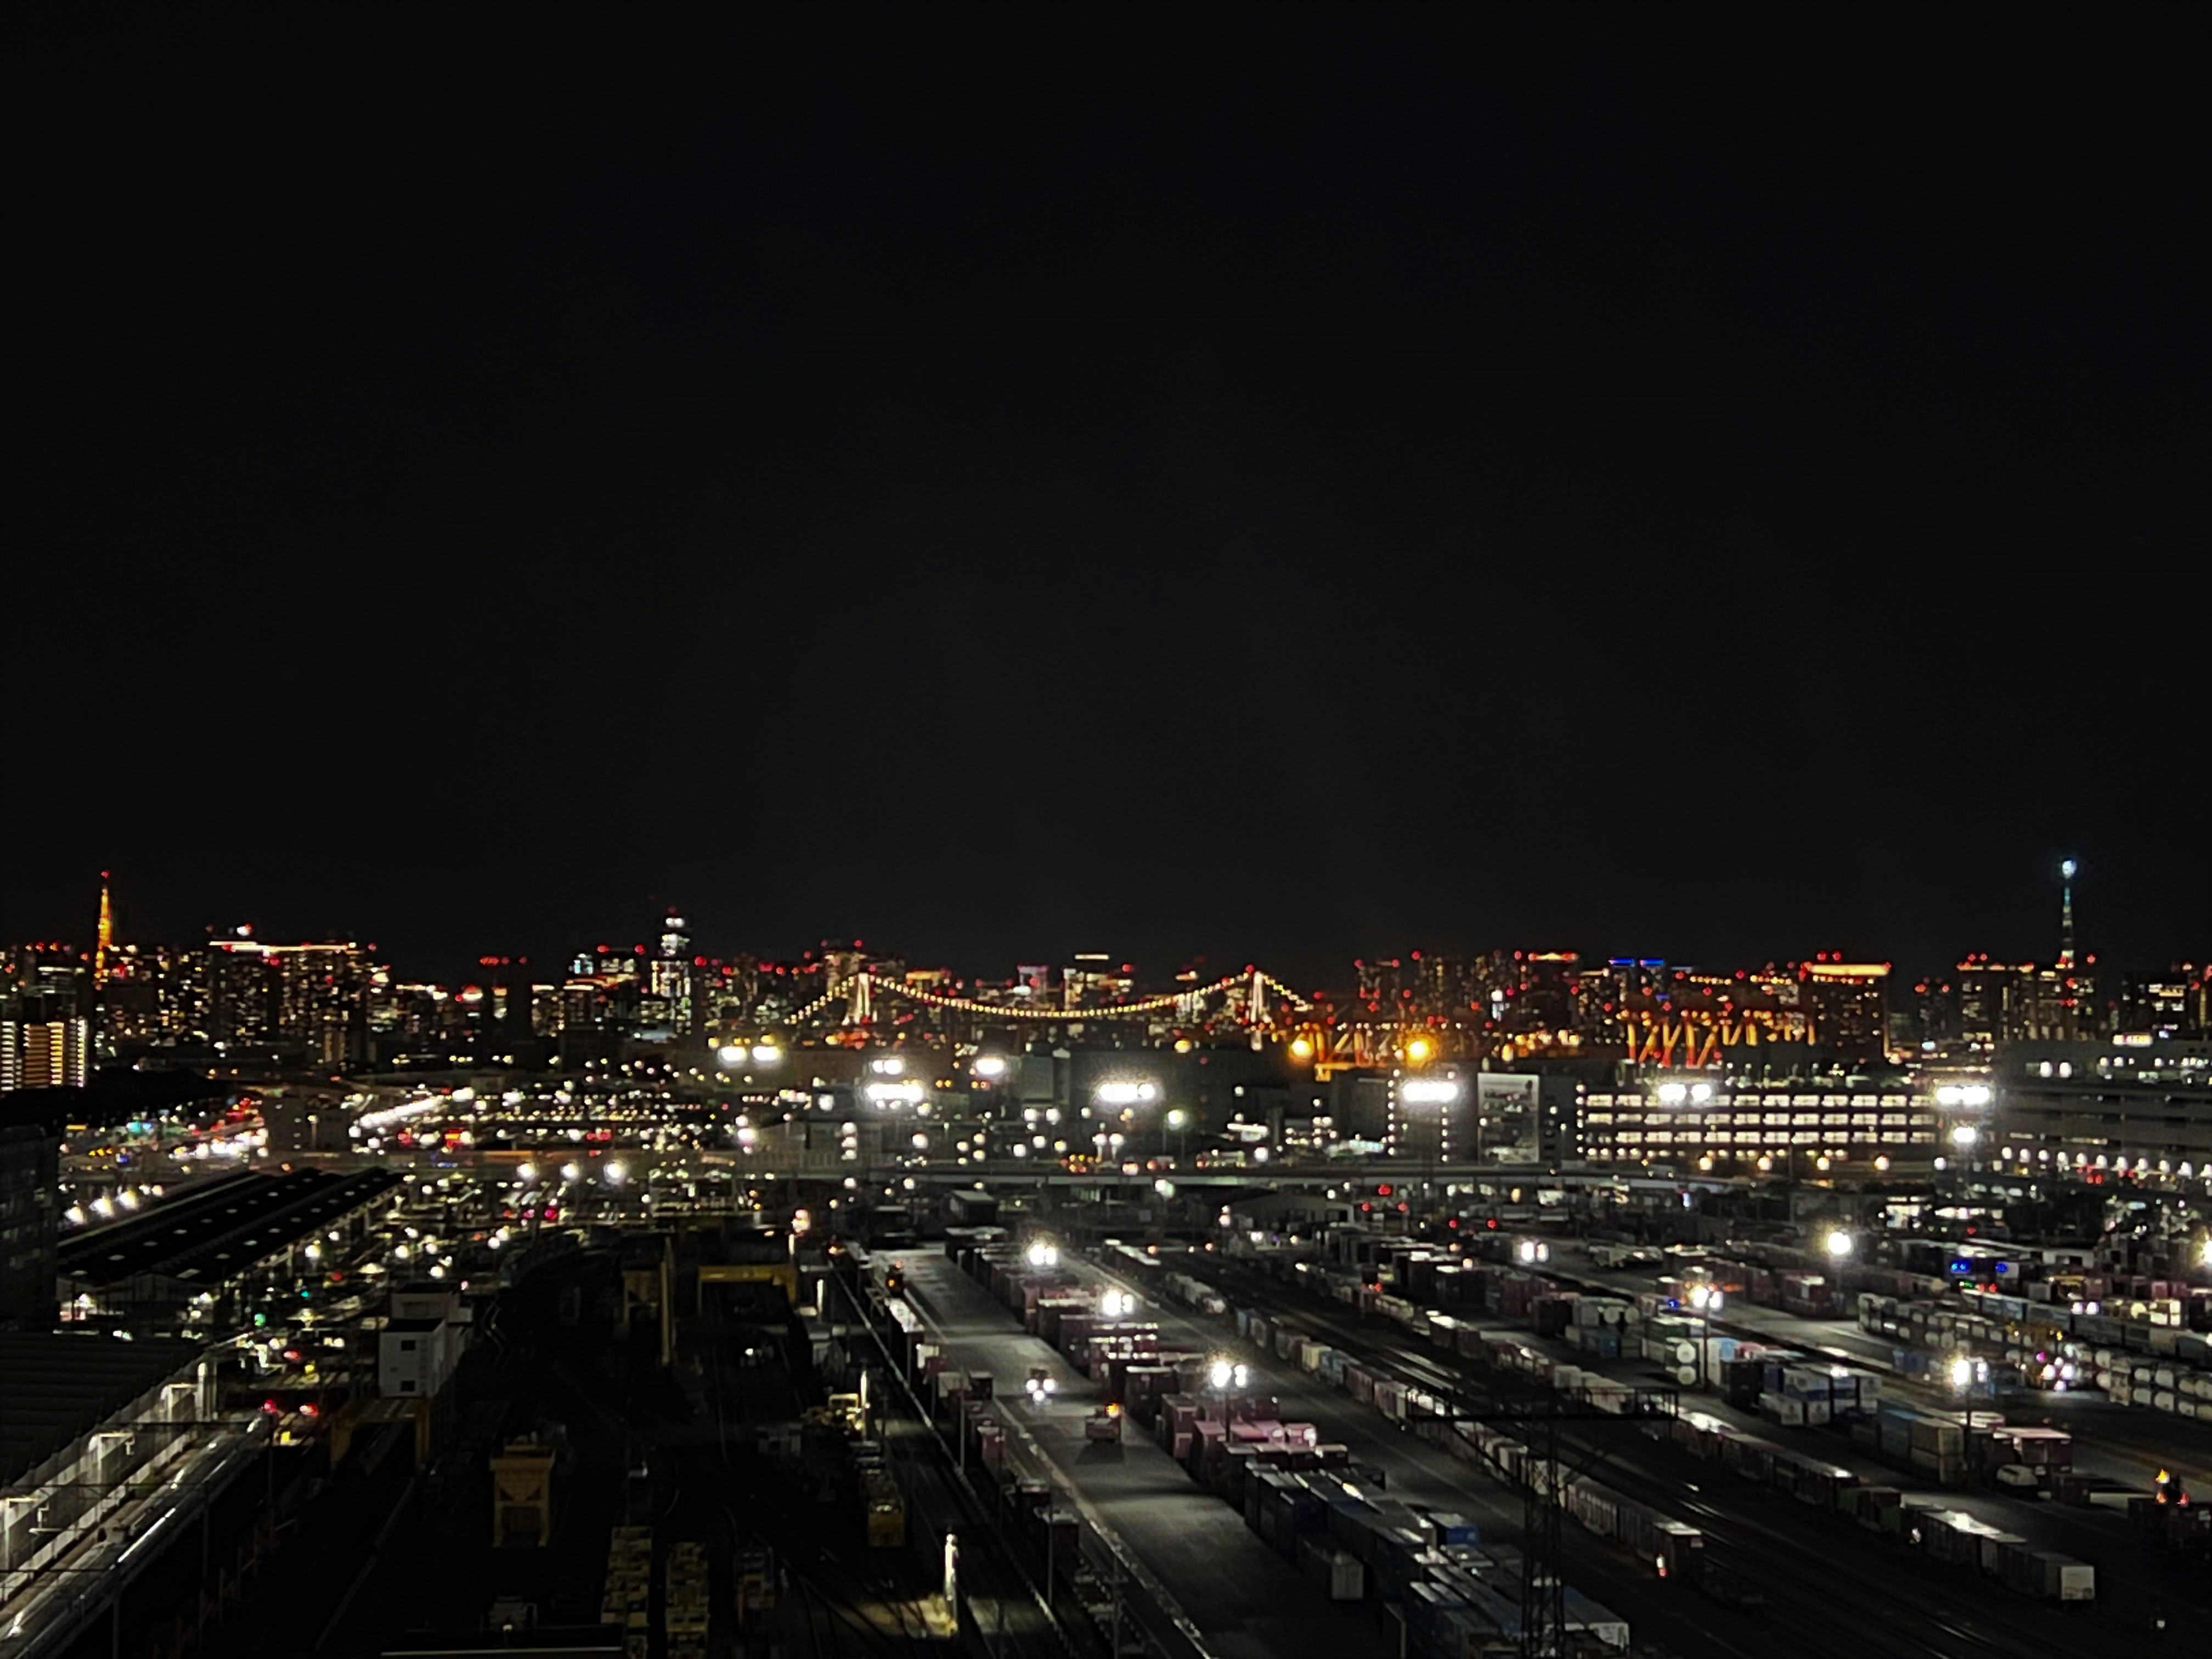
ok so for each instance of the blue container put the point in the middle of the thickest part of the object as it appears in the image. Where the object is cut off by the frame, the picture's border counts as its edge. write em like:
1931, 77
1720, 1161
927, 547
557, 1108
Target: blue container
1454, 1529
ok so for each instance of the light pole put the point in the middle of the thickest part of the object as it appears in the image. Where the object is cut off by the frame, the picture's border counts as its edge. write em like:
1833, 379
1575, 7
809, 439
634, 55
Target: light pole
1707, 1300
1441, 1092
1966, 1372
1229, 1378
1179, 1121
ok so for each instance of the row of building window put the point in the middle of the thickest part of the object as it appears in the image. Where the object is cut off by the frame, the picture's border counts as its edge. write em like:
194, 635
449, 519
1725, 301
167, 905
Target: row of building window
1747, 1138
1768, 1119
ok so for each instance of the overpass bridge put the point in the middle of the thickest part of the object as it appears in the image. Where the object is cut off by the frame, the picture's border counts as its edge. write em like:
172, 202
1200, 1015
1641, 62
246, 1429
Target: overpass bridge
1028, 1174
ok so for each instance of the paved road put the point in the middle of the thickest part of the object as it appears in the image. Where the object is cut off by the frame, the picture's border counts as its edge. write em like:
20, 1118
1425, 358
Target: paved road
1420, 1473
1249, 1603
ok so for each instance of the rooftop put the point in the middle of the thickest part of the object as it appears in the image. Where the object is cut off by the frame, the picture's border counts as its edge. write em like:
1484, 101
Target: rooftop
61, 1387
214, 1240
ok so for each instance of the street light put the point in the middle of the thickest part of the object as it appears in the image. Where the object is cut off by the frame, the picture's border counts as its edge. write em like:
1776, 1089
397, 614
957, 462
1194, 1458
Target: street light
1707, 1300
1179, 1121
1839, 1244
1968, 1376
1126, 1094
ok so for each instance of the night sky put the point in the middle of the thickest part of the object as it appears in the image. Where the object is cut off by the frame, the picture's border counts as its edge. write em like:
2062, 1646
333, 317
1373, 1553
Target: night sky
1300, 492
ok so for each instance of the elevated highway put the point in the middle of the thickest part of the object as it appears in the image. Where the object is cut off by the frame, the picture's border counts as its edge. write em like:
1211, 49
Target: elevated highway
1028, 1175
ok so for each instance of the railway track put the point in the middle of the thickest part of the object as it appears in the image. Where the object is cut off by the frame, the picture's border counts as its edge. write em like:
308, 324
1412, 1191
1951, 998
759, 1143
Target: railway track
1808, 1567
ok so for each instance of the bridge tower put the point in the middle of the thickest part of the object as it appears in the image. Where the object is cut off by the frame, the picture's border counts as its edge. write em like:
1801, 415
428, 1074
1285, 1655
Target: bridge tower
859, 999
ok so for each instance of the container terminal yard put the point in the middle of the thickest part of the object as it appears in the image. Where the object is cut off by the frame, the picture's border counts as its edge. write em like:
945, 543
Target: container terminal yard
1757, 1535
642, 1398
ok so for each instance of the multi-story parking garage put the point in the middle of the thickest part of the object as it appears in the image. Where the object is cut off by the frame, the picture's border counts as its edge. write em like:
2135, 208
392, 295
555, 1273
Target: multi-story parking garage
2089, 1109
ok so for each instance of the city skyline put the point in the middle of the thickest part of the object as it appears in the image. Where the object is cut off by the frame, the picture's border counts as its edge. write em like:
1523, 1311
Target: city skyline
714, 943
1218, 505
1330, 833
672, 998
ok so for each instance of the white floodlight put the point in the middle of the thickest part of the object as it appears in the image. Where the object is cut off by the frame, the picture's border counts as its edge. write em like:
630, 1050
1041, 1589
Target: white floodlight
1126, 1094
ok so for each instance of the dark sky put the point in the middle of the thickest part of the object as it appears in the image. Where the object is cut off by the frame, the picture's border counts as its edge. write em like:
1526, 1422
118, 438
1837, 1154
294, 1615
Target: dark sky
1300, 492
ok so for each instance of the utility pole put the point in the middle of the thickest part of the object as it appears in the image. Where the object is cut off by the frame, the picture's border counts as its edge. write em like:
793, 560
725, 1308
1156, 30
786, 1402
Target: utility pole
1543, 1588
1543, 1577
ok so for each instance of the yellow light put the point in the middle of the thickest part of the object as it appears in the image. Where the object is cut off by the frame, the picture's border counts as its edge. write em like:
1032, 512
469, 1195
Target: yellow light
1418, 1050
1301, 1048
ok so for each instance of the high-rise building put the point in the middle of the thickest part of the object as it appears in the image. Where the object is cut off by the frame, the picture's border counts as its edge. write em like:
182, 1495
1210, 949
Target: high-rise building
312, 996
2159, 1007
670, 980
39, 1051
1987, 997
1850, 1003
2020, 1002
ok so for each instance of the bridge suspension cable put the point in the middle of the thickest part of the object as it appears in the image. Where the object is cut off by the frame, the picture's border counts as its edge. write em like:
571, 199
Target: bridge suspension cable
860, 991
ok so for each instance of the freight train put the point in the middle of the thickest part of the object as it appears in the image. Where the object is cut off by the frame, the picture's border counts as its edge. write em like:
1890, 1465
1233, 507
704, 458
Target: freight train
1411, 1395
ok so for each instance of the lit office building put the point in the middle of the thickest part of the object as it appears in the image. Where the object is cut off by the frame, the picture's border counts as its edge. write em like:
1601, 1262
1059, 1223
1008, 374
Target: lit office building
308, 996
45, 1054
1693, 1123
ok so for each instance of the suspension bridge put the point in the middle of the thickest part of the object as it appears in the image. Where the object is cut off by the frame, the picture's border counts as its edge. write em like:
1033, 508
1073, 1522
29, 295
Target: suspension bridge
1252, 998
